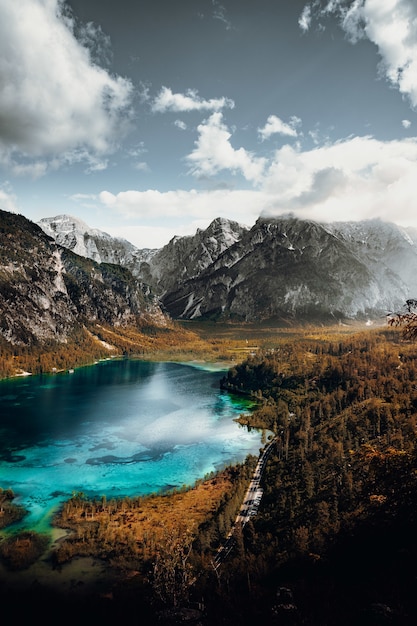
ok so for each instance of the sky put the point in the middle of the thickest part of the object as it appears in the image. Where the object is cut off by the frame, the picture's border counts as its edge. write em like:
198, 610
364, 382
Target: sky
150, 118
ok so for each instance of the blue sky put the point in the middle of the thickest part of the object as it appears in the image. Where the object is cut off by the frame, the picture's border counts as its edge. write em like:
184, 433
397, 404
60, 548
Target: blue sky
149, 118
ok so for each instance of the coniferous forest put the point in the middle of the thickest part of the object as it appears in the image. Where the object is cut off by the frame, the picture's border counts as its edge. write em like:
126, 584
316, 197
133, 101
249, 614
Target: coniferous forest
334, 538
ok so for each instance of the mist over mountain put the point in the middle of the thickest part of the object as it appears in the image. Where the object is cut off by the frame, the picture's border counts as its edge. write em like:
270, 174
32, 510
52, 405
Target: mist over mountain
282, 268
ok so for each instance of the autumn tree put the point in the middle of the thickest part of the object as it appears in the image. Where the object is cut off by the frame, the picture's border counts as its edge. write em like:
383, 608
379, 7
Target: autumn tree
172, 574
407, 320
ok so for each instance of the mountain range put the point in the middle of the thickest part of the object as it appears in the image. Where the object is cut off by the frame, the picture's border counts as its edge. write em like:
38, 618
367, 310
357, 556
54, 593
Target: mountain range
60, 273
282, 268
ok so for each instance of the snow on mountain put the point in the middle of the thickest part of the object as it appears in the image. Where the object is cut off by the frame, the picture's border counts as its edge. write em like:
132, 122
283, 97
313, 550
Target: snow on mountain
387, 249
287, 268
74, 234
280, 268
48, 291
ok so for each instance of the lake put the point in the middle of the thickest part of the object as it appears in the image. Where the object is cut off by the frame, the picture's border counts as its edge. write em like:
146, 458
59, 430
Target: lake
118, 428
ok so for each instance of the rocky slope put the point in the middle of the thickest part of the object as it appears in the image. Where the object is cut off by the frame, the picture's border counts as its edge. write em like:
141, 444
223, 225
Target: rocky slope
47, 290
74, 234
185, 258
387, 249
283, 268
286, 268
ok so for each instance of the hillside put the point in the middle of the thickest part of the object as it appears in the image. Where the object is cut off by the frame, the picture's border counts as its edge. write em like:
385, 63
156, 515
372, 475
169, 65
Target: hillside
286, 269
59, 309
92, 243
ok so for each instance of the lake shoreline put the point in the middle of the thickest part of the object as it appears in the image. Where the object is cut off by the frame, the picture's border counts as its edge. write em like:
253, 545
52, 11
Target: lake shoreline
93, 576
175, 376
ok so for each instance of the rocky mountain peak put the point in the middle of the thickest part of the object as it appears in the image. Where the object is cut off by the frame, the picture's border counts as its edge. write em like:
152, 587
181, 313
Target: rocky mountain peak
185, 258
92, 243
283, 267
47, 291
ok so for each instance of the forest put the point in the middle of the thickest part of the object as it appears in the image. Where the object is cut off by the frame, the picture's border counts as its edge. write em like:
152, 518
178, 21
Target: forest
90, 342
334, 538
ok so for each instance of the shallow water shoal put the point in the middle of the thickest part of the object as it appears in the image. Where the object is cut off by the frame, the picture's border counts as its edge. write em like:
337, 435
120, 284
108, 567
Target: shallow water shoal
118, 428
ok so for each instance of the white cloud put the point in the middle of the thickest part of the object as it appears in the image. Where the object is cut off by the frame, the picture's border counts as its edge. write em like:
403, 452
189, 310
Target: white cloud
152, 203
357, 178
148, 236
8, 201
213, 152
389, 24
274, 125
353, 179
304, 20
180, 124
190, 101
406, 123
53, 98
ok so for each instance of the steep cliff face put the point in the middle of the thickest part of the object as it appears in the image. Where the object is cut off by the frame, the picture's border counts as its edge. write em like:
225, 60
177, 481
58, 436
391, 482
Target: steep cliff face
280, 268
74, 234
46, 290
287, 268
185, 258
388, 250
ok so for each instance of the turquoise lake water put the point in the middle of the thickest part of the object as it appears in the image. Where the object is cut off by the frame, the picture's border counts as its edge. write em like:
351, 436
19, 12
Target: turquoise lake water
120, 427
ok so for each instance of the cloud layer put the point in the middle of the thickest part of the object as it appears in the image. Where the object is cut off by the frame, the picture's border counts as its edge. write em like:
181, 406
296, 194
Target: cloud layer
56, 104
355, 178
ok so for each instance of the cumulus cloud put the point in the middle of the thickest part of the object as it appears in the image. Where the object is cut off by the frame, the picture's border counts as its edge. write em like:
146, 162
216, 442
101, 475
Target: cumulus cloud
166, 100
352, 179
54, 99
274, 125
406, 123
389, 24
356, 178
213, 152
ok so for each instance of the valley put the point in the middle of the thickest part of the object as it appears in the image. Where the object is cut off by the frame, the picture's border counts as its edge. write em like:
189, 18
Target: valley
339, 487
208, 312
326, 376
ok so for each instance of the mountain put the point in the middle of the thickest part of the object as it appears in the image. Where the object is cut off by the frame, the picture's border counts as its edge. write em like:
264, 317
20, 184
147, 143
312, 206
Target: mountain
47, 290
387, 249
283, 268
292, 268
185, 258
74, 234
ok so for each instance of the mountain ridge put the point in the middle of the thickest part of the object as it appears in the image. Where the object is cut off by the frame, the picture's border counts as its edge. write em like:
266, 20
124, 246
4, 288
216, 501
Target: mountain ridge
282, 267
